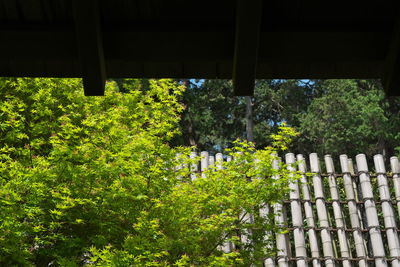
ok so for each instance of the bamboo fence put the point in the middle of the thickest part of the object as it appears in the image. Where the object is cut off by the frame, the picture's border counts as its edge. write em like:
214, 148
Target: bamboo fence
346, 218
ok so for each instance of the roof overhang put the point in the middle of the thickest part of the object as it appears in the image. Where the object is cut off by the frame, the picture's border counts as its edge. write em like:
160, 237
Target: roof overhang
243, 40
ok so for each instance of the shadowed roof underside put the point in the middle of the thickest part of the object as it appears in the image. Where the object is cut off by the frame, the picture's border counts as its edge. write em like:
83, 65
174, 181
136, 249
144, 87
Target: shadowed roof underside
224, 39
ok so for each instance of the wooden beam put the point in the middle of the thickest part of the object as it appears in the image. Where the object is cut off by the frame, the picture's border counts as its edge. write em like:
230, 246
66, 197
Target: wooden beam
43, 44
248, 25
208, 55
196, 69
391, 74
90, 46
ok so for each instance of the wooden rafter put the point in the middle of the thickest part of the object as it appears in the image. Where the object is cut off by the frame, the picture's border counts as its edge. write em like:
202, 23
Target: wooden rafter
248, 25
90, 46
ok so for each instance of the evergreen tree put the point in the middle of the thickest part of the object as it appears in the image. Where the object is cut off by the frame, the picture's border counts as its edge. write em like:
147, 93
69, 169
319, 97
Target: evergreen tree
333, 116
350, 117
213, 116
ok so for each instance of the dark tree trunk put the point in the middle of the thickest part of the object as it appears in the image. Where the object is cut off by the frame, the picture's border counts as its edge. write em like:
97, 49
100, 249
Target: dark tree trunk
249, 119
190, 134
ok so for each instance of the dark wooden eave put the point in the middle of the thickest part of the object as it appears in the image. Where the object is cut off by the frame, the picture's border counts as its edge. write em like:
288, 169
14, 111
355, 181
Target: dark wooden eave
103, 39
90, 45
247, 40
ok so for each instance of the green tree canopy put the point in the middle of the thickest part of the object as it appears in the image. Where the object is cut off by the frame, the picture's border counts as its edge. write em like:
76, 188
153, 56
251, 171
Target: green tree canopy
350, 117
333, 116
213, 116
94, 180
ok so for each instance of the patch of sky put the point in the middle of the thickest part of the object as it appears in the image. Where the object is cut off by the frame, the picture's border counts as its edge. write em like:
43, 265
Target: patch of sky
197, 82
304, 82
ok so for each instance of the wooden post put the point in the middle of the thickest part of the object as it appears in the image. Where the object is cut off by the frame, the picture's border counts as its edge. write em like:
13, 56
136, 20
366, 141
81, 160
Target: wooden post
90, 45
203, 163
387, 210
395, 166
247, 35
355, 220
308, 211
297, 217
337, 211
370, 210
322, 214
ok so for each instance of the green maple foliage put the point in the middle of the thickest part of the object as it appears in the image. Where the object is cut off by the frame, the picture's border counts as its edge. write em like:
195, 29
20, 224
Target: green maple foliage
94, 181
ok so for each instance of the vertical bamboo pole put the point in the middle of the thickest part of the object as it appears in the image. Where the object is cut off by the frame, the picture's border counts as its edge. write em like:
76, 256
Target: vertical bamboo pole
387, 210
211, 161
264, 212
308, 211
297, 217
219, 159
352, 171
227, 246
337, 212
269, 262
280, 219
358, 197
178, 167
203, 163
355, 220
395, 166
246, 218
351, 166
322, 214
194, 167
370, 210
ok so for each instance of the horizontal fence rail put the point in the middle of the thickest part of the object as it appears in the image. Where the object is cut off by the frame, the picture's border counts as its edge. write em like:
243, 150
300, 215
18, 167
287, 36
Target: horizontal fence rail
334, 218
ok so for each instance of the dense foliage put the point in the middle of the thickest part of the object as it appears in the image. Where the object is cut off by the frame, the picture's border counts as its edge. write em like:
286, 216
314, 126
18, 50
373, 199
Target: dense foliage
94, 180
214, 117
333, 116
347, 119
